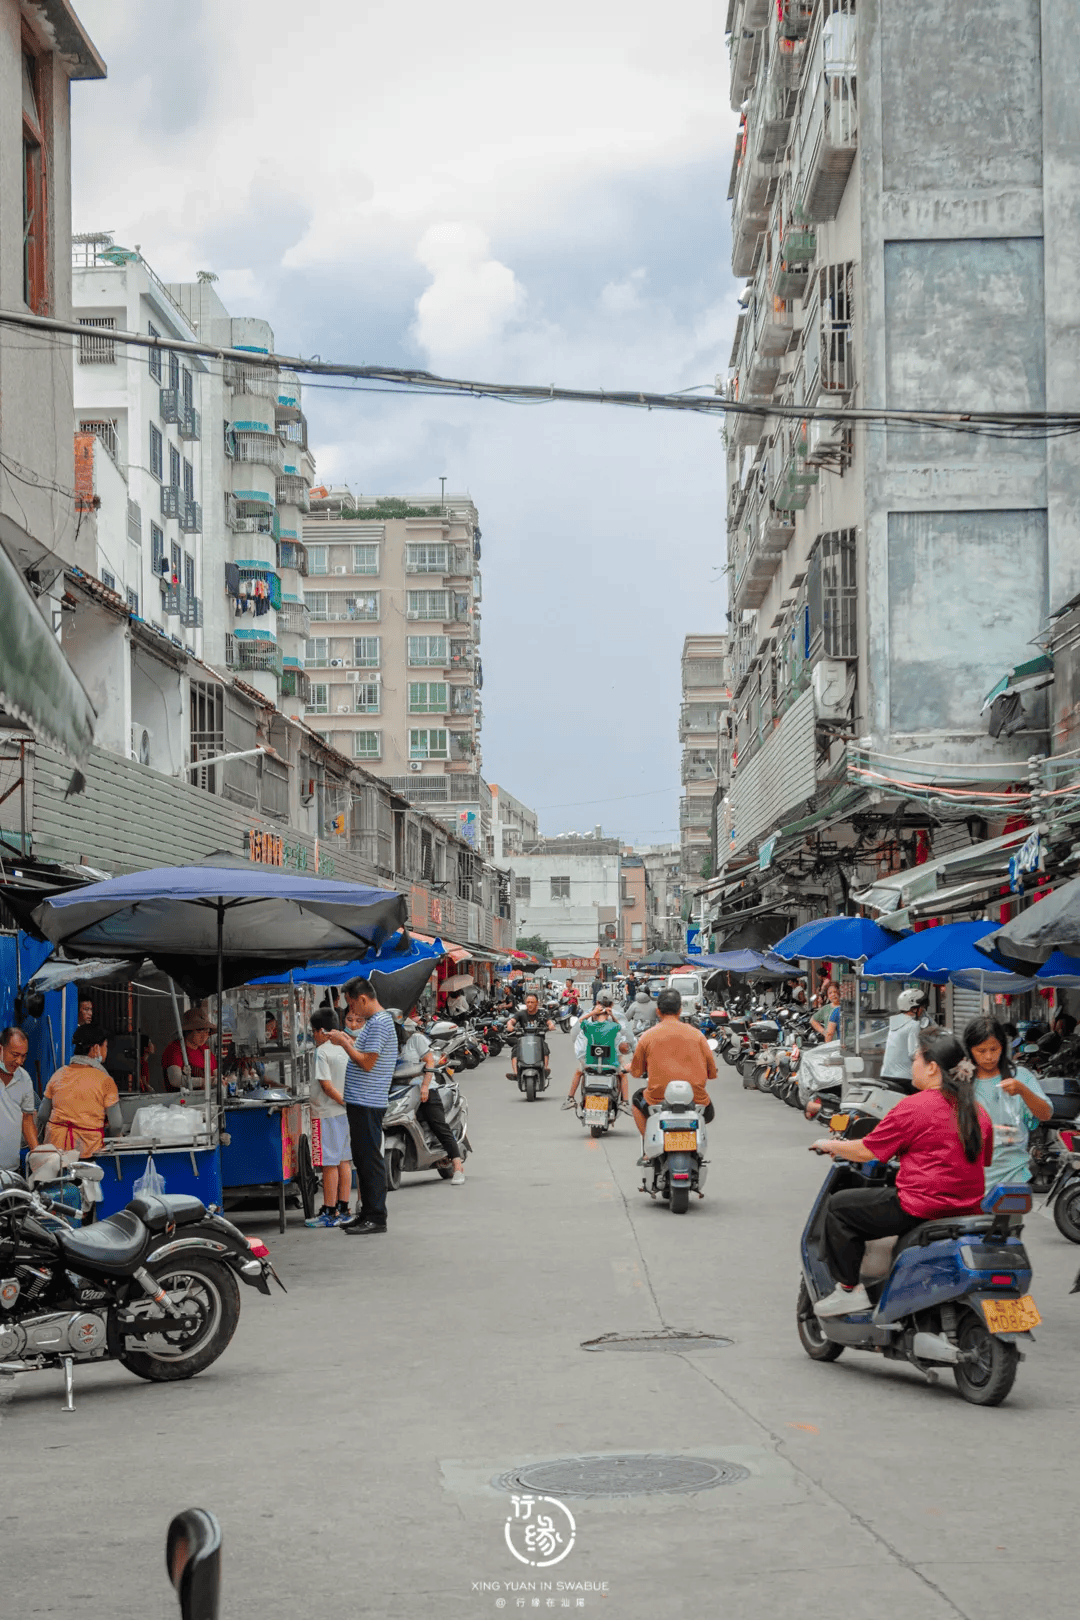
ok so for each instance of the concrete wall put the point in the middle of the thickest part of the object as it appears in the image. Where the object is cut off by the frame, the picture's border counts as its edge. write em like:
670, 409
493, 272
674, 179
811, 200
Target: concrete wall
570, 926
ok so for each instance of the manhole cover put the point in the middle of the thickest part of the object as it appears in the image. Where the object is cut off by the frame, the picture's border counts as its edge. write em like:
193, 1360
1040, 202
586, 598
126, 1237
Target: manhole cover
657, 1341
636, 1475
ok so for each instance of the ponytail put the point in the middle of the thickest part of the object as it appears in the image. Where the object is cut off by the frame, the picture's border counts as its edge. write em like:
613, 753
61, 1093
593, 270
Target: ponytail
940, 1046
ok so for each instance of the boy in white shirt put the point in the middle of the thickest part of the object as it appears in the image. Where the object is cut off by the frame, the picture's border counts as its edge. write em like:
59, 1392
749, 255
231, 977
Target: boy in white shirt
329, 1122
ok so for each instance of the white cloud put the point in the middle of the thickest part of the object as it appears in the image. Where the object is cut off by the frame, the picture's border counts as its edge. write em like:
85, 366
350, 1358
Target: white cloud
623, 297
471, 299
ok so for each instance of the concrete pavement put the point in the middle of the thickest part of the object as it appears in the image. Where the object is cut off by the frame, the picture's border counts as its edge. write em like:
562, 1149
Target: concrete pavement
348, 1438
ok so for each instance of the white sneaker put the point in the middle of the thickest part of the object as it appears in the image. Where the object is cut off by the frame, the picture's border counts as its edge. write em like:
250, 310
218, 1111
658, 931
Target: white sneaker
457, 1179
843, 1302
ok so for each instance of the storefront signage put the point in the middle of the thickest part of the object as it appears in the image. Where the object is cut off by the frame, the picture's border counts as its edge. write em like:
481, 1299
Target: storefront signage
270, 849
579, 962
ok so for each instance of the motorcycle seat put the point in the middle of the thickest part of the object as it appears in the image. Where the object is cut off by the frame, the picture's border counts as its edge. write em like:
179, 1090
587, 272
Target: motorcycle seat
941, 1228
157, 1213
115, 1244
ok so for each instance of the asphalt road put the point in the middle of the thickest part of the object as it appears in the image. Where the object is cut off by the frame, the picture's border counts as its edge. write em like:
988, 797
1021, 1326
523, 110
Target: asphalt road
348, 1438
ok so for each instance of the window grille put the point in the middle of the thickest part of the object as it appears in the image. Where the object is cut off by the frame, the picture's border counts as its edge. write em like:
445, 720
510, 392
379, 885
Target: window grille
319, 702
560, 888
365, 559
427, 697
367, 651
95, 350
174, 466
522, 888
427, 745
367, 744
427, 650
153, 358
427, 604
156, 444
367, 698
425, 559
832, 585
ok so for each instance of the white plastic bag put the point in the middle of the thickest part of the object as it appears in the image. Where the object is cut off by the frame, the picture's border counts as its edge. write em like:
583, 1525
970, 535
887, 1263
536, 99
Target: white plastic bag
179, 1125
151, 1184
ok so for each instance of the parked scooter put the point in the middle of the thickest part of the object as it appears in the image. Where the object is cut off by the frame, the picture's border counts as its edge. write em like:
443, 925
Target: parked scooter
952, 1292
675, 1148
408, 1142
153, 1286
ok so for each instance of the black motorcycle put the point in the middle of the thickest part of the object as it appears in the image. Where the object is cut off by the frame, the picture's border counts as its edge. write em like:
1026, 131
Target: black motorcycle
154, 1287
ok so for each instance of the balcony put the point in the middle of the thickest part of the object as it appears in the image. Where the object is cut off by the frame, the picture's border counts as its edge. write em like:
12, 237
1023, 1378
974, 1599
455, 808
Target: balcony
177, 603
293, 491
262, 449
295, 683
706, 672
695, 813
698, 720
293, 554
294, 619
260, 654
169, 404
250, 517
172, 499
828, 117
190, 517
332, 607
753, 191
699, 765
190, 423
794, 254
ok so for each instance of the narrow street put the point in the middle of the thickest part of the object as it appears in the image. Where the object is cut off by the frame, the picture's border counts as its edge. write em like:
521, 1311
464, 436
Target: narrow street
348, 1438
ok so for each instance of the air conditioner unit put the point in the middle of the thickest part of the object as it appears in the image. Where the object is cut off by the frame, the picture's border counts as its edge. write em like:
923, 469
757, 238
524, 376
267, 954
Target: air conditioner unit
343, 708
341, 570
337, 663
141, 740
245, 525
416, 764
354, 676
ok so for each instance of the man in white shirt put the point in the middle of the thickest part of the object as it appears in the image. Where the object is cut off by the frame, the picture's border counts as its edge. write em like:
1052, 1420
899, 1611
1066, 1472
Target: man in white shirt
416, 1048
17, 1105
329, 1122
902, 1041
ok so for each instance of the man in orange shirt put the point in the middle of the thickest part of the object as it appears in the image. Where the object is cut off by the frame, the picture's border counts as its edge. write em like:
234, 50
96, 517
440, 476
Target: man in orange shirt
671, 1050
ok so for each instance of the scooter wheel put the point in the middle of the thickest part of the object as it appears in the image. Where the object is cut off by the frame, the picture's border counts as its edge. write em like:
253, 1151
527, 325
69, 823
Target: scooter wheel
530, 1088
597, 1130
680, 1200
1067, 1210
811, 1337
730, 1056
988, 1378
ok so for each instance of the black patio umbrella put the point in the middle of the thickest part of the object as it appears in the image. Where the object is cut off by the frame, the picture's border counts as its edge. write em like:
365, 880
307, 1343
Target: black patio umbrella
1050, 925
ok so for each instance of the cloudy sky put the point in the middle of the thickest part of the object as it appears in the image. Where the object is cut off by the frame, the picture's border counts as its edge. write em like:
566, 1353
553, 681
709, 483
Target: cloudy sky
487, 192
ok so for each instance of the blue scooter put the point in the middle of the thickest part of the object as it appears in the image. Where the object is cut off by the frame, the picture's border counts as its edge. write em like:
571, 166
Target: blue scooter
955, 1291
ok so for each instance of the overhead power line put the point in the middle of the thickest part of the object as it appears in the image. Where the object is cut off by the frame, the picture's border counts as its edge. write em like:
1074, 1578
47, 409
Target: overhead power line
1020, 424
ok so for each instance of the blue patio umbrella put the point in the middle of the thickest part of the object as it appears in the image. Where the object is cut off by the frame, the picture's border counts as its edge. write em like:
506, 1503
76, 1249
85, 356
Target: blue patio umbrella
935, 953
731, 961
1060, 971
395, 971
844, 939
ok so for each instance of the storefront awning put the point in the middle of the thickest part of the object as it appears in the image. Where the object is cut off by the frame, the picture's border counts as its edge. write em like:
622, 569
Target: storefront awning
38, 687
989, 860
1027, 677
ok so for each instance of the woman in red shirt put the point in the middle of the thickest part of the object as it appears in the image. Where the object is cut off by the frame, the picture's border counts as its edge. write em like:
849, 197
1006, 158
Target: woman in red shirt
943, 1138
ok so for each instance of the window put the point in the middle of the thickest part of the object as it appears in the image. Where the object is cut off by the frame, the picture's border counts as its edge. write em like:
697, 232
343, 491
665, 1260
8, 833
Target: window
35, 192
522, 888
189, 573
174, 559
154, 356
320, 698
94, 350
157, 544
560, 888
189, 480
317, 652
367, 744
636, 935
427, 604
361, 607
155, 451
427, 650
108, 580
832, 588
174, 466
318, 559
365, 559
316, 603
174, 369
367, 697
133, 602
427, 697
461, 700
188, 388
425, 559
366, 651
427, 745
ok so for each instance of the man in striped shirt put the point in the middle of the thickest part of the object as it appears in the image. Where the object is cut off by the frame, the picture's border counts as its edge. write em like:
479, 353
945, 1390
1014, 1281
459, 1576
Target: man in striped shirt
372, 1057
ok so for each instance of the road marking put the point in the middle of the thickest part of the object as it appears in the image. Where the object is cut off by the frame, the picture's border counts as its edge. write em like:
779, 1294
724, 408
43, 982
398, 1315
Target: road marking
807, 1428
593, 1144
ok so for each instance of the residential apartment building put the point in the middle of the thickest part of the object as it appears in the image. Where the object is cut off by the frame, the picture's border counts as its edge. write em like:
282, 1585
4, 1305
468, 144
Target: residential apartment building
513, 826
393, 595
703, 732
634, 902
568, 890
663, 863
900, 211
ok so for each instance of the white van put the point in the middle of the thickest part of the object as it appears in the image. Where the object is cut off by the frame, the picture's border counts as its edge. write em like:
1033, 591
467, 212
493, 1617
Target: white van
690, 989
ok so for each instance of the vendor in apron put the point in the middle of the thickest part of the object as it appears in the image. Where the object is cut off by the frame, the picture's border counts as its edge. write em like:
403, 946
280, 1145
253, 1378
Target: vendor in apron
81, 1097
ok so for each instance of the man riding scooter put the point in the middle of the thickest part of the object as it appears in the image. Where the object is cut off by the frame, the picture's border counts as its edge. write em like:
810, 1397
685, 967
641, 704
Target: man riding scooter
531, 1021
602, 1014
672, 1050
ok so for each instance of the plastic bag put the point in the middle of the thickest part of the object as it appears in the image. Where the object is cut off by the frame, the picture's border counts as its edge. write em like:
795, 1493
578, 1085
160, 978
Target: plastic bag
151, 1184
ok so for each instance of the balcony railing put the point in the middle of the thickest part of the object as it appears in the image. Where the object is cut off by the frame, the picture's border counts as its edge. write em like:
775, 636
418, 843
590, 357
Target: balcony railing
294, 619
293, 554
190, 517
190, 423
295, 683
262, 655
263, 449
172, 499
695, 814
329, 607
829, 115
177, 603
293, 491
169, 404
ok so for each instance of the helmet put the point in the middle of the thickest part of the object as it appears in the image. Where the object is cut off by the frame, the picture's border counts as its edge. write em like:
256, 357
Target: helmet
907, 999
642, 995
679, 1094
604, 999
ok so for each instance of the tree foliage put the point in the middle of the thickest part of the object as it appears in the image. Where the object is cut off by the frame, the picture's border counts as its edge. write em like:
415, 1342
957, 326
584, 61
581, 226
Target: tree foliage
535, 945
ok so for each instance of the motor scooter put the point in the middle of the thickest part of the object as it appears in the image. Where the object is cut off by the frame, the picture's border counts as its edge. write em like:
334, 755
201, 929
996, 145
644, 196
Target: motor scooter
952, 1292
674, 1148
532, 1077
409, 1144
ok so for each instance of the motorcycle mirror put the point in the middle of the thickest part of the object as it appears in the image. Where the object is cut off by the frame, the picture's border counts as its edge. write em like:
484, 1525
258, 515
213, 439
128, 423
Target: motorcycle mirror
574, 1022
713, 1045
193, 1562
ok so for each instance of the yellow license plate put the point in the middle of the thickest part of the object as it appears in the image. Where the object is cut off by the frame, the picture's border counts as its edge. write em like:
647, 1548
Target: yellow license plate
597, 1105
1010, 1315
680, 1141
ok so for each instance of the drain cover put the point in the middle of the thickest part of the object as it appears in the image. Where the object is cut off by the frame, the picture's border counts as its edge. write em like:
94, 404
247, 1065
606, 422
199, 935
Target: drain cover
657, 1341
645, 1474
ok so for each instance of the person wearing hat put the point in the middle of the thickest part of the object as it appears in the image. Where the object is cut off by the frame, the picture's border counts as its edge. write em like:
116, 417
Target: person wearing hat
902, 1041
201, 1061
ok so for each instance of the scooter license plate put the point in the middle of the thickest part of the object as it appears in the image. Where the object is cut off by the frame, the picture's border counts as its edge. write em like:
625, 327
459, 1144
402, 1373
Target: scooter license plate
596, 1105
1010, 1315
680, 1141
